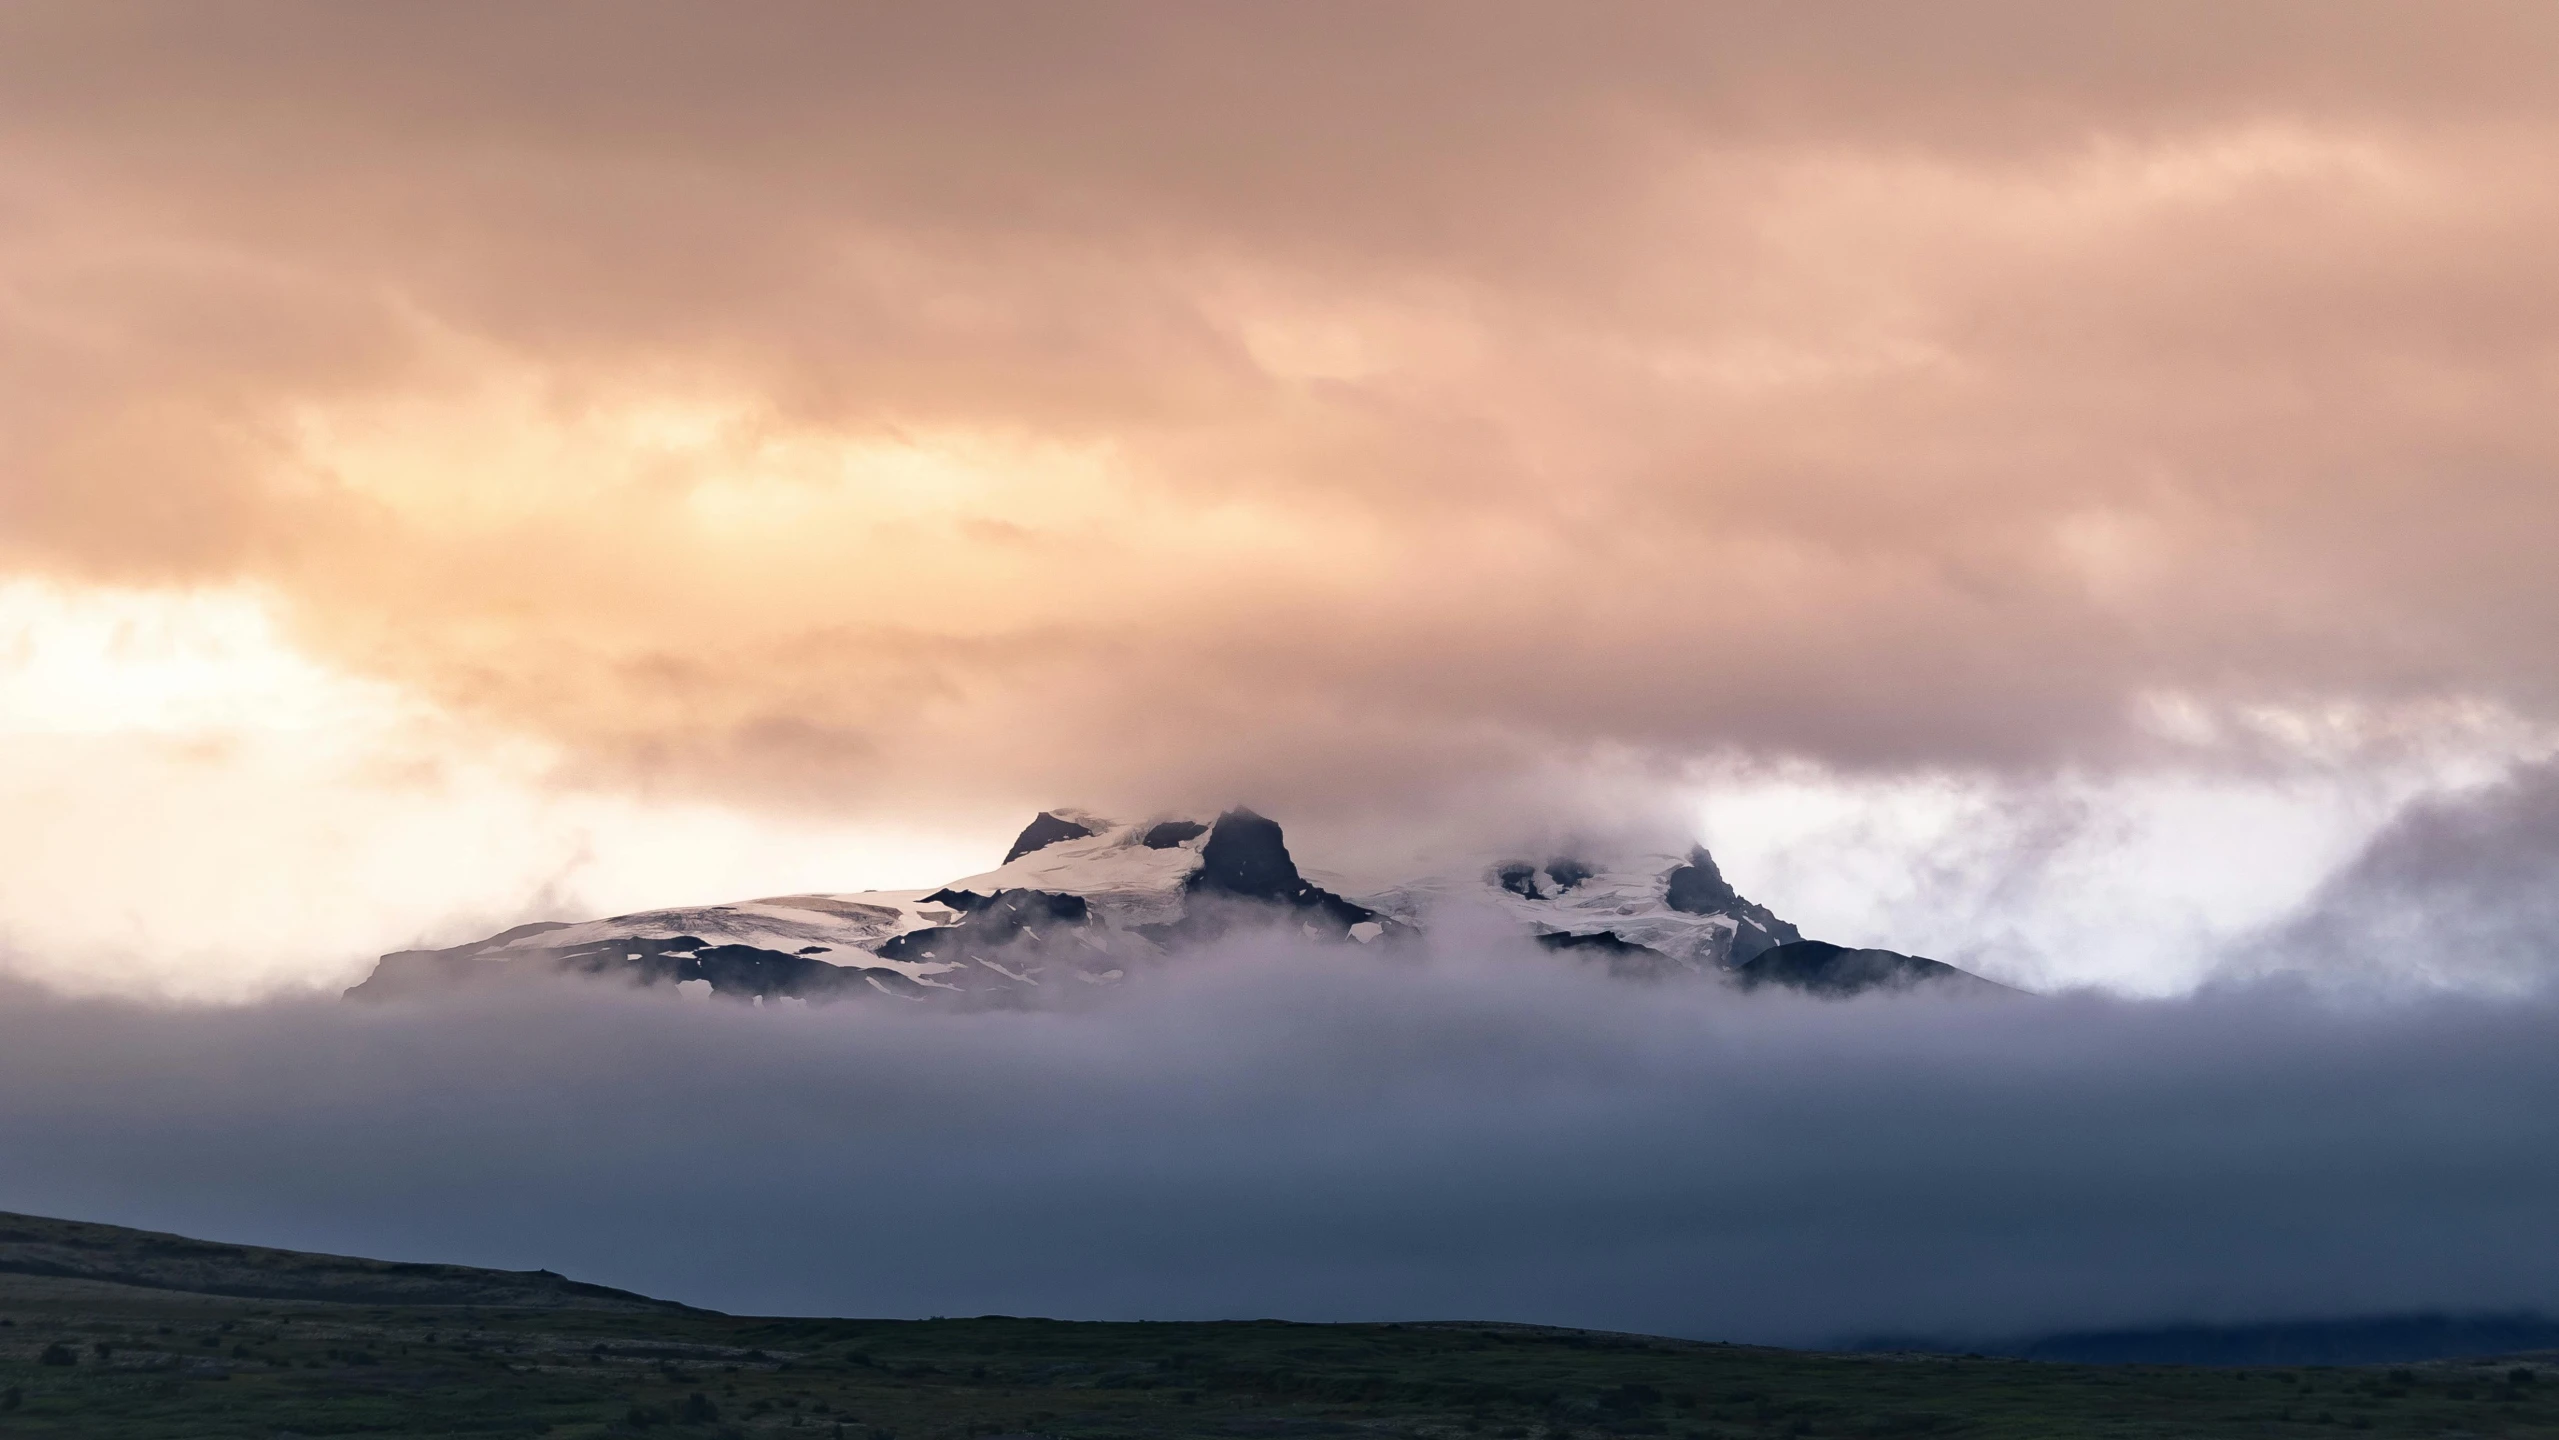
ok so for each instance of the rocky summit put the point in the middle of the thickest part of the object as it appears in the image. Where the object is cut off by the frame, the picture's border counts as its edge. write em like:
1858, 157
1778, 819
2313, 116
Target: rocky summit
1081, 900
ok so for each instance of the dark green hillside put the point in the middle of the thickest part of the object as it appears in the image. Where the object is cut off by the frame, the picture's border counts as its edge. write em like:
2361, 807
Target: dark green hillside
94, 1357
73, 1249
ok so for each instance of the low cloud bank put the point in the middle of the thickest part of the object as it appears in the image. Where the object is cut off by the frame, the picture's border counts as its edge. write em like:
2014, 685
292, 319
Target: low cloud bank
1317, 1135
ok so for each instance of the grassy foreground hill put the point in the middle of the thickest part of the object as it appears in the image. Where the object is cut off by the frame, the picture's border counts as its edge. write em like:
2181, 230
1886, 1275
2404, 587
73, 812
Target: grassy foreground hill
121, 1333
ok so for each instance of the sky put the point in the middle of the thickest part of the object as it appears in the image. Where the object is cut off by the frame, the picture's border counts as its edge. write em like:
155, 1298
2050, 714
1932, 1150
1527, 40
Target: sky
2064, 489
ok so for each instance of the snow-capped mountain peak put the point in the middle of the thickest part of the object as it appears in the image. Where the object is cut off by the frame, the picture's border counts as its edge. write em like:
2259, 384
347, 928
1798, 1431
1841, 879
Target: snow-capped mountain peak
1080, 898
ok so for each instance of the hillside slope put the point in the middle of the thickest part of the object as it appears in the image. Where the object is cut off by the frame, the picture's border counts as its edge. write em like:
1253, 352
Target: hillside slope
32, 1245
90, 1360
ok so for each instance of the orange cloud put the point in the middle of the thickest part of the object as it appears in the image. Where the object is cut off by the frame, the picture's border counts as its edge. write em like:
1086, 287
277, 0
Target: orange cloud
1316, 404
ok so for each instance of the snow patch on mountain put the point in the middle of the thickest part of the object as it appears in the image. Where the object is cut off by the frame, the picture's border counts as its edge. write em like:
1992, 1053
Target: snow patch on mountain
1648, 912
1128, 881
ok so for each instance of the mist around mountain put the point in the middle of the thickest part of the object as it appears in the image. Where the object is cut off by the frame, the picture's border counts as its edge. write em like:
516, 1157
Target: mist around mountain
1082, 901
1280, 1127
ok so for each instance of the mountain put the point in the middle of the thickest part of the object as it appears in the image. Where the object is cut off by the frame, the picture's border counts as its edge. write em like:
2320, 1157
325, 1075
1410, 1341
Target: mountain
2365, 1340
1080, 899
2382, 1340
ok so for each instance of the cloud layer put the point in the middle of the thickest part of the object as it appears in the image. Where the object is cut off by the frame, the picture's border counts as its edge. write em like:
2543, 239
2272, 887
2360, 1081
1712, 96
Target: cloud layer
1308, 1134
1321, 406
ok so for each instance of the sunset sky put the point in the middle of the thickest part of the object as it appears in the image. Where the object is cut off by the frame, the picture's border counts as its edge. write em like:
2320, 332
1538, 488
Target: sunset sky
2044, 486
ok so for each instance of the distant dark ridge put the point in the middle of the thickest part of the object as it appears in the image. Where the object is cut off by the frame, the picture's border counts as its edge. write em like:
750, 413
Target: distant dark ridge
2370, 1340
79, 1250
1818, 967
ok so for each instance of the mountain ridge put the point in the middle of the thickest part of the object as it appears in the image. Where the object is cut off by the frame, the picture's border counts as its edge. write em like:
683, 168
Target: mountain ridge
1080, 899
2386, 1339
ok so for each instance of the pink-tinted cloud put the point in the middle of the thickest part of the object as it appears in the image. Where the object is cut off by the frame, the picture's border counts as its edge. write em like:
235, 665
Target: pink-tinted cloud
1143, 403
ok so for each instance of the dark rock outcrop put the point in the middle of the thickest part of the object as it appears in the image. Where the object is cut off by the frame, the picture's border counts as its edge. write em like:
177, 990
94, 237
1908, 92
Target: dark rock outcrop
1247, 859
1604, 942
1817, 967
1567, 872
1247, 856
1045, 829
991, 926
1169, 834
741, 972
1699, 887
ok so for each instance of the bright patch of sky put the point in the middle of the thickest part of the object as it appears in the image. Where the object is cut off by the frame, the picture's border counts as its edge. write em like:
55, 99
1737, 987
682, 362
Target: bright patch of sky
205, 813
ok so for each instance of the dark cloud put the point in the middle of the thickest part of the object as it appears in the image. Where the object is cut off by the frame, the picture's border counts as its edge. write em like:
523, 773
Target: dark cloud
1324, 1136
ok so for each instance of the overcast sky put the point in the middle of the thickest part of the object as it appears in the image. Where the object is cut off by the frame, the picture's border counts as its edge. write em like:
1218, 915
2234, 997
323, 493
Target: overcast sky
2041, 485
